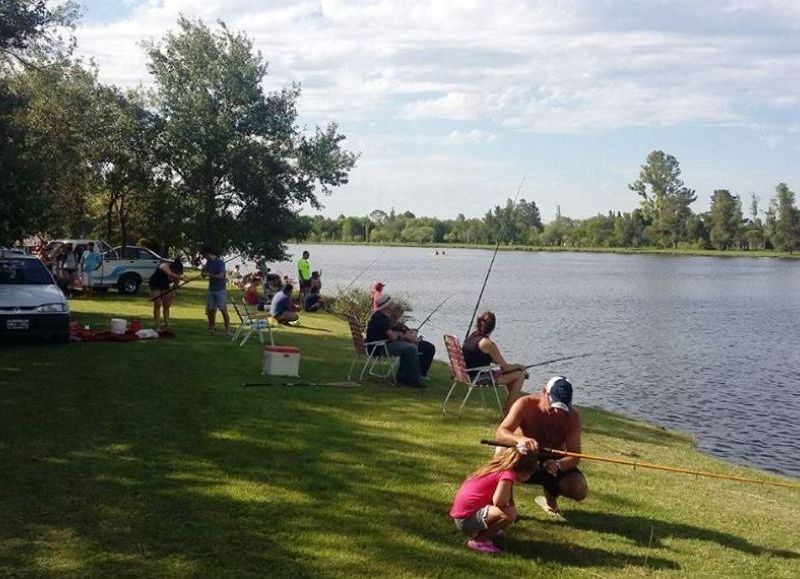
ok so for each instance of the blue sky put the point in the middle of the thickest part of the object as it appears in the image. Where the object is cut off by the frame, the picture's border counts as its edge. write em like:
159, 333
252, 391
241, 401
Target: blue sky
451, 102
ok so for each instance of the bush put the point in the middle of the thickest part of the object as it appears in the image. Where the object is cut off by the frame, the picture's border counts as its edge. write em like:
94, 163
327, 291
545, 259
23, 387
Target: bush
357, 302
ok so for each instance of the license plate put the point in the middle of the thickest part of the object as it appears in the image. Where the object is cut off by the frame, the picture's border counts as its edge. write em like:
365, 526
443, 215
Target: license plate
18, 324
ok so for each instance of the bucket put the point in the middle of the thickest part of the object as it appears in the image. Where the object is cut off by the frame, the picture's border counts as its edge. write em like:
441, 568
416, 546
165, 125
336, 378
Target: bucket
118, 326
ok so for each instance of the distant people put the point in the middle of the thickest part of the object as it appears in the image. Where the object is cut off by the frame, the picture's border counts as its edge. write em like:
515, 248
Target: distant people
479, 350
304, 275
484, 505
379, 328
316, 281
251, 293
272, 285
90, 261
377, 292
313, 301
236, 276
165, 275
217, 296
69, 265
282, 306
549, 422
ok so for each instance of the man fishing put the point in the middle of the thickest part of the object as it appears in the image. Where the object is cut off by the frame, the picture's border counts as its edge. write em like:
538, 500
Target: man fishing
548, 421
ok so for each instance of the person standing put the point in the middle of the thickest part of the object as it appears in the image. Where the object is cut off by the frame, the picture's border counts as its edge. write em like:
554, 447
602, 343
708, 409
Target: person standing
90, 261
166, 274
69, 266
217, 294
304, 275
548, 421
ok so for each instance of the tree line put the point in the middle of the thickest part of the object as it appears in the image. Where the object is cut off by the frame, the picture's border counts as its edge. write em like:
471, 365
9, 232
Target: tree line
664, 219
204, 156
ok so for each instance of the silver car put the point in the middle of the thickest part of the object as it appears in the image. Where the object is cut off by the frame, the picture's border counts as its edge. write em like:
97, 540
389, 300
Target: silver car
31, 304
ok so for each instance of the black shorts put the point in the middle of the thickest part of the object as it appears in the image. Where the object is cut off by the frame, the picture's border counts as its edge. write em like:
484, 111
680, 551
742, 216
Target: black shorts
305, 285
548, 481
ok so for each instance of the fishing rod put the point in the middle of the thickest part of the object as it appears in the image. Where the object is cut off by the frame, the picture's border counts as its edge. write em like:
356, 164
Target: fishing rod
554, 360
635, 464
436, 309
496, 249
369, 265
190, 280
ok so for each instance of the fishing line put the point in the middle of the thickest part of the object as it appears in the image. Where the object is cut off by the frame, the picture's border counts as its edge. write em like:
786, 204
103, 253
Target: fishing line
436, 309
496, 249
635, 465
370, 264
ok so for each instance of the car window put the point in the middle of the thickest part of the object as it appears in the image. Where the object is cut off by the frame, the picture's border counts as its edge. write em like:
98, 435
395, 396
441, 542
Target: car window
130, 252
146, 254
112, 254
24, 271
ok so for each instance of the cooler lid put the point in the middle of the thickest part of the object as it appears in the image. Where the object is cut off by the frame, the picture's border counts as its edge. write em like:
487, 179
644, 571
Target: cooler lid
282, 349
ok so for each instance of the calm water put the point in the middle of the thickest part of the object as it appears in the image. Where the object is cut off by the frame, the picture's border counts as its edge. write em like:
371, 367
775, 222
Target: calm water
704, 345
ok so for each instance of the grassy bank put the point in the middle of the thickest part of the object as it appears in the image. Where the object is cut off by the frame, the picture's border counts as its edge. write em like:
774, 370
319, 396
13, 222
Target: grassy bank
152, 458
562, 249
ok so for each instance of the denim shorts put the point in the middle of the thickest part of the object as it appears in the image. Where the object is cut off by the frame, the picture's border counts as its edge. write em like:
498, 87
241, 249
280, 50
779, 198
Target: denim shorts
473, 524
216, 300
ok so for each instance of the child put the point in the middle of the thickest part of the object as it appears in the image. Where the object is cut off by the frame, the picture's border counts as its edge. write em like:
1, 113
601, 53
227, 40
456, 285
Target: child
484, 505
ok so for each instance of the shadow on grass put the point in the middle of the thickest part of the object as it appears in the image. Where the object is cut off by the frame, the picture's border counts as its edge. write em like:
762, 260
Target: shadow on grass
637, 529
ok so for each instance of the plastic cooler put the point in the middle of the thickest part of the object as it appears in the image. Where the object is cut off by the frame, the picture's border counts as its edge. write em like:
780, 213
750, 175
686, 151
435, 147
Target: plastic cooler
281, 361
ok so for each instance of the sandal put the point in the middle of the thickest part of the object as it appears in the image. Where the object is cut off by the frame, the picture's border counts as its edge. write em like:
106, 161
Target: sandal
484, 547
553, 512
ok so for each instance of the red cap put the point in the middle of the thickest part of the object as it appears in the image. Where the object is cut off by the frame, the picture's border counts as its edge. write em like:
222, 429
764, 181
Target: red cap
379, 285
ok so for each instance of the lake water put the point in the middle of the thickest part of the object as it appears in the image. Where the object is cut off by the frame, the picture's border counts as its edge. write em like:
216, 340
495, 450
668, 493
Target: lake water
705, 345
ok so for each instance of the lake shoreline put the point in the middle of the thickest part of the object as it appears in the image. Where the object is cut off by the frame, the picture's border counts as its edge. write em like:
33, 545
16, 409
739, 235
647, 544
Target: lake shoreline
759, 254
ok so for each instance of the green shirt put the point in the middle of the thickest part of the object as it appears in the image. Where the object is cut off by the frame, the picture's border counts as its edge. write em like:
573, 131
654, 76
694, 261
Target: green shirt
304, 270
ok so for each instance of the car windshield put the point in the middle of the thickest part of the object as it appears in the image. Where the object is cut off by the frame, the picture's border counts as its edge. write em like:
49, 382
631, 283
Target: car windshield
24, 271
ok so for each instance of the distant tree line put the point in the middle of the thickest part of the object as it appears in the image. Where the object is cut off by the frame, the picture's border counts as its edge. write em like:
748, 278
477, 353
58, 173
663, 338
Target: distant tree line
204, 157
663, 219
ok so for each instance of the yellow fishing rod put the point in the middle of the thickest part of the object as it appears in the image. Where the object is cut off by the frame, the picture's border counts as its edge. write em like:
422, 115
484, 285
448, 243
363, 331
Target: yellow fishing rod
651, 466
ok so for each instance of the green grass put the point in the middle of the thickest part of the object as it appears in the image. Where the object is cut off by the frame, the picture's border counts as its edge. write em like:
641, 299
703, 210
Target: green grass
152, 459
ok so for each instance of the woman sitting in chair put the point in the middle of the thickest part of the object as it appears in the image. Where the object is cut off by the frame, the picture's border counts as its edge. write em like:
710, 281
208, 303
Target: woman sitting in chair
479, 350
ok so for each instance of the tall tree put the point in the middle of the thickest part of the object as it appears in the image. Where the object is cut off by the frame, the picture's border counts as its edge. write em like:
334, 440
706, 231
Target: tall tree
665, 198
786, 231
239, 159
725, 219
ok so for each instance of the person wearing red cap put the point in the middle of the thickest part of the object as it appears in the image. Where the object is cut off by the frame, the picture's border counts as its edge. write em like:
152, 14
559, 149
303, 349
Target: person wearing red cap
548, 421
377, 292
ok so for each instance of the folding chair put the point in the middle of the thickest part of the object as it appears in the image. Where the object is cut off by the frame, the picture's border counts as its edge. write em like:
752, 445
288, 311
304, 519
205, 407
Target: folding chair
375, 354
484, 375
249, 323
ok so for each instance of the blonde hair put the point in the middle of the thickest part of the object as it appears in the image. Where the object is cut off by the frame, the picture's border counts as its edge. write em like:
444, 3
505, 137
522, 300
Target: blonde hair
509, 459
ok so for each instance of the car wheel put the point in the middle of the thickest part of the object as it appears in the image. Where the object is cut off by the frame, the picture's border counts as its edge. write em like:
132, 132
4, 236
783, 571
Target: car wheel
129, 284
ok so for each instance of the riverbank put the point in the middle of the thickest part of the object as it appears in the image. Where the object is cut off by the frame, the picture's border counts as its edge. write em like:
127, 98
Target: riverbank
612, 250
152, 458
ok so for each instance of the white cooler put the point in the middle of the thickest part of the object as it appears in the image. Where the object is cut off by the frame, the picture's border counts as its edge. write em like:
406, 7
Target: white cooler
281, 361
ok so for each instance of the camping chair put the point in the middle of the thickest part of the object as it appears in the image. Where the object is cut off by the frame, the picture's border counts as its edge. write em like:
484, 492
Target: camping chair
375, 354
249, 324
484, 375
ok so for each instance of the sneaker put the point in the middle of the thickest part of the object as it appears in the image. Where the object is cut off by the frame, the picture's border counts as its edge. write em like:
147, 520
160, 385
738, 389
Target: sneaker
424, 378
229, 333
484, 547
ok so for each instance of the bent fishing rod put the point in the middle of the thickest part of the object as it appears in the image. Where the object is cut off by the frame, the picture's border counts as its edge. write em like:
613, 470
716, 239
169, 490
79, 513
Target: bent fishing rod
436, 309
190, 280
651, 466
491, 264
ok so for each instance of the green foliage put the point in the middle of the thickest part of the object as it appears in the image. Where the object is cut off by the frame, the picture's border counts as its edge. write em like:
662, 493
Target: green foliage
238, 159
354, 301
725, 219
786, 221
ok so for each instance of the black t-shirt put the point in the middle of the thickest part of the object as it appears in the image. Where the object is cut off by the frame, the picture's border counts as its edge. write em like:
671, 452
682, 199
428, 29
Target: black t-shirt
474, 357
159, 279
377, 327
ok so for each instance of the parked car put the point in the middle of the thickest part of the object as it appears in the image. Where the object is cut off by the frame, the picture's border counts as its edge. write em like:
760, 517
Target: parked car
31, 305
126, 268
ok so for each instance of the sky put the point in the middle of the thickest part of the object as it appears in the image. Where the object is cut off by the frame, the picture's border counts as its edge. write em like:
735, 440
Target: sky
452, 103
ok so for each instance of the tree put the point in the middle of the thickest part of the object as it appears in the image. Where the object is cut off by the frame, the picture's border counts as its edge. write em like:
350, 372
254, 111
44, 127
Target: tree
725, 219
786, 229
665, 198
237, 156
